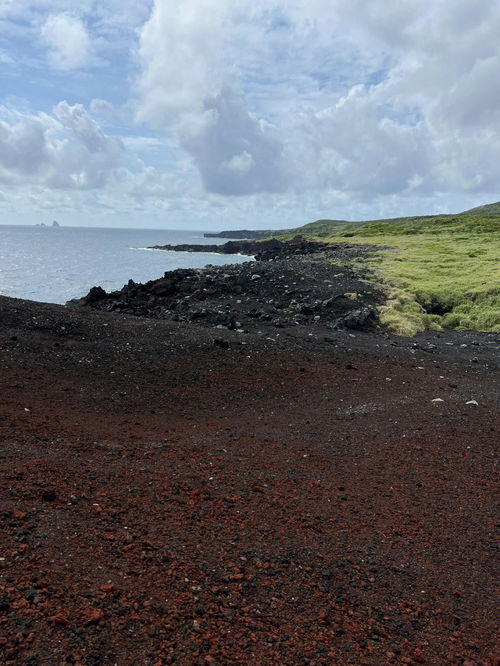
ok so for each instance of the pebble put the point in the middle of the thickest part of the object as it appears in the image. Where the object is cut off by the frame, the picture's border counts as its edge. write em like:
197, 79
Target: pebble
59, 619
437, 400
93, 615
472, 402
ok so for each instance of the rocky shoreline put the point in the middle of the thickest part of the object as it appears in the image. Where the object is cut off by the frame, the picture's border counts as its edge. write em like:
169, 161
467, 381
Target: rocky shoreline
266, 249
294, 284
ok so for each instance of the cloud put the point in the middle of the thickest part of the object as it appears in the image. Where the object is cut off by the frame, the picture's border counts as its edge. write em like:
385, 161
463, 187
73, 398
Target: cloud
235, 152
270, 96
102, 107
180, 52
64, 161
187, 84
65, 150
68, 42
5, 58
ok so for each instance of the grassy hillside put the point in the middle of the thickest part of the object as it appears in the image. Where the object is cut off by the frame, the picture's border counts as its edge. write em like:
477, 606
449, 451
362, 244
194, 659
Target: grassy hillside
322, 226
487, 209
439, 270
333, 226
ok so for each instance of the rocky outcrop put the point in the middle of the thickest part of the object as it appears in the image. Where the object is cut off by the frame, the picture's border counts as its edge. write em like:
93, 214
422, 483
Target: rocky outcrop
267, 249
291, 284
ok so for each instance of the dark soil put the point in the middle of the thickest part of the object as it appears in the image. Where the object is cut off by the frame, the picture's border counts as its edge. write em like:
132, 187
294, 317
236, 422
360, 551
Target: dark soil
177, 494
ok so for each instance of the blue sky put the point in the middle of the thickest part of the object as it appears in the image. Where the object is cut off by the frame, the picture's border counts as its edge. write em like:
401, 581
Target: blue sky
216, 114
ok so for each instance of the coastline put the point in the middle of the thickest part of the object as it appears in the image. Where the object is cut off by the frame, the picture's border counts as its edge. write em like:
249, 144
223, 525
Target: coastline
290, 285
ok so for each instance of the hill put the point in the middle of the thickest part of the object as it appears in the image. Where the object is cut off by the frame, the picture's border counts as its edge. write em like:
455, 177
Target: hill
486, 209
332, 226
326, 226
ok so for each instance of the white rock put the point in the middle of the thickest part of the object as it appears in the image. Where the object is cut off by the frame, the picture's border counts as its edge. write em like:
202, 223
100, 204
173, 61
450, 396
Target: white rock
472, 402
437, 400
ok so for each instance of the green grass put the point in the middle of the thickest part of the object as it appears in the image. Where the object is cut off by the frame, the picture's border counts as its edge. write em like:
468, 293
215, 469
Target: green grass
438, 270
323, 227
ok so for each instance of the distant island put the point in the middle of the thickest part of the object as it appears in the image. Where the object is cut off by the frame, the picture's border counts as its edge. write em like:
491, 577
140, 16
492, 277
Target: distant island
54, 224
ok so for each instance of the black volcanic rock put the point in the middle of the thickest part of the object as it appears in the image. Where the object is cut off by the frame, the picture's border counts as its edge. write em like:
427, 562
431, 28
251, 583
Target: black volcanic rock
266, 249
291, 285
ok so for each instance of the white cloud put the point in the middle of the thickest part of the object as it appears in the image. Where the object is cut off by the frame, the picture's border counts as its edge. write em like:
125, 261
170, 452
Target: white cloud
65, 150
67, 40
413, 122
59, 160
181, 53
5, 58
241, 163
102, 107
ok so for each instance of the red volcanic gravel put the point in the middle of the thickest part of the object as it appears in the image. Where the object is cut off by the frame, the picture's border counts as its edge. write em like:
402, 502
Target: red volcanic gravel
294, 500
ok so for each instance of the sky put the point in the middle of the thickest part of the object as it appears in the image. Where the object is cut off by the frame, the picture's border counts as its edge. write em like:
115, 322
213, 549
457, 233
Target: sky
230, 114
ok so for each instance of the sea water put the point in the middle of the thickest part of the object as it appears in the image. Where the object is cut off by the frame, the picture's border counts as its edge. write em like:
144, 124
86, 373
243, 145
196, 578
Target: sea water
54, 265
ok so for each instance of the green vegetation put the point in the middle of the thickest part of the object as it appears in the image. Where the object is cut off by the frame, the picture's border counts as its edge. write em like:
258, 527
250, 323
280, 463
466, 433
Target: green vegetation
487, 209
403, 315
323, 226
437, 270
440, 270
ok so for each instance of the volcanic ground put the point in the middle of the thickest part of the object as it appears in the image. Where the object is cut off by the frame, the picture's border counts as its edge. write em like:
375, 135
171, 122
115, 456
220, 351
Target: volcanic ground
195, 492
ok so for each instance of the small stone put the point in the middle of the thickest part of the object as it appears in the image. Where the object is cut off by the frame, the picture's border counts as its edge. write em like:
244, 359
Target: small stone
418, 656
472, 402
107, 588
437, 400
92, 615
59, 620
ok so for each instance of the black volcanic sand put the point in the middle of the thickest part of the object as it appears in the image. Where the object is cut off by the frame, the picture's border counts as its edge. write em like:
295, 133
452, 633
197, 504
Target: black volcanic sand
172, 493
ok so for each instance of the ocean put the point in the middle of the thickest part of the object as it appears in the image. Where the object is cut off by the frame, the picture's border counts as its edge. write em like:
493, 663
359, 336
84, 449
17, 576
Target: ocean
54, 265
